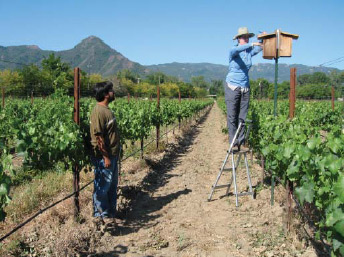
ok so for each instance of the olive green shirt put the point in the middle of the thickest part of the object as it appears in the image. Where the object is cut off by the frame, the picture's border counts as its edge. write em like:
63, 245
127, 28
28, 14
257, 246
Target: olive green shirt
103, 123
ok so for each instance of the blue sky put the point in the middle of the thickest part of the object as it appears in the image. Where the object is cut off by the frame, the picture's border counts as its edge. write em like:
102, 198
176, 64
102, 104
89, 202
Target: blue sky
154, 32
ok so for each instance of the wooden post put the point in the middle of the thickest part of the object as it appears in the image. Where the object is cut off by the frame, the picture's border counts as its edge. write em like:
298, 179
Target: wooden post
128, 97
332, 96
179, 117
166, 134
142, 148
289, 203
158, 125
76, 168
3, 97
31, 97
263, 168
179, 96
292, 94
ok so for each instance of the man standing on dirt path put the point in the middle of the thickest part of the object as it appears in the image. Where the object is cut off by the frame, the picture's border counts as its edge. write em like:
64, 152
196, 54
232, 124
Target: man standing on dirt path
237, 88
105, 140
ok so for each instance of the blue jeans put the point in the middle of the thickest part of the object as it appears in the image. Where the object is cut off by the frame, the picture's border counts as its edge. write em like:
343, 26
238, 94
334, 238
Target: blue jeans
105, 188
237, 103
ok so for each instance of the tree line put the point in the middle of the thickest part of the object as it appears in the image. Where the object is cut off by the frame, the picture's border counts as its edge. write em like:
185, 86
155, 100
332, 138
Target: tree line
54, 74
309, 86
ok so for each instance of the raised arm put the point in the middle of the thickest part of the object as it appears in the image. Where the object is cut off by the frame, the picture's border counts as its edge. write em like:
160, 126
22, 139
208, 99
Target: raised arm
237, 49
257, 47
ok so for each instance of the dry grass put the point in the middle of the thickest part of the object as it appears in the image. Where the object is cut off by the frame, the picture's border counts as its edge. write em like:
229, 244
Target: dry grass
36, 194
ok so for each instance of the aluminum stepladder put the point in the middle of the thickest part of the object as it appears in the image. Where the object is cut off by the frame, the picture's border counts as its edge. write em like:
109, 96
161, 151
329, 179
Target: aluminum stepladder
234, 167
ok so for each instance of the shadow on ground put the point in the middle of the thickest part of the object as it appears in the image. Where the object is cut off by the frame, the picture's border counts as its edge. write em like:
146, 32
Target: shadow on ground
141, 200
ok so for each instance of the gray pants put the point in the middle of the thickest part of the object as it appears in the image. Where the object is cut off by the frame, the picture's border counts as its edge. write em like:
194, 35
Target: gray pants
237, 103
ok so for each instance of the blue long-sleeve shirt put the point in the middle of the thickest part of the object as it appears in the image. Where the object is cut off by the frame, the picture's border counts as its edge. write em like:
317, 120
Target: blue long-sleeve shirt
240, 62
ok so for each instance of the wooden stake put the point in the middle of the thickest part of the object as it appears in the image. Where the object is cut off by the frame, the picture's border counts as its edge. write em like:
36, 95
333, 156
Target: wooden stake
158, 125
332, 97
292, 94
263, 168
142, 148
76, 168
3, 97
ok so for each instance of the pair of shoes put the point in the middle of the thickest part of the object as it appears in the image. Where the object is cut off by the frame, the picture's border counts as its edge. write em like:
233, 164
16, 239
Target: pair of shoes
98, 223
109, 220
109, 223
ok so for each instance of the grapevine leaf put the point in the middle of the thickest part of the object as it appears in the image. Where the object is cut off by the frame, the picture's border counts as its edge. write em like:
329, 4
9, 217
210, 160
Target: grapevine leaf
336, 244
338, 188
288, 151
334, 145
4, 188
305, 192
334, 217
339, 227
313, 143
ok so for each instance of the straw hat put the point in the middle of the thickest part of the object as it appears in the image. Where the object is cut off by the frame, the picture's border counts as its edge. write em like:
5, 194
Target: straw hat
243, 31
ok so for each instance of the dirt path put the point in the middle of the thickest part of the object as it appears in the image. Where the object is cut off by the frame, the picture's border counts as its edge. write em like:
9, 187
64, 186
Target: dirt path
174, 218
164, 209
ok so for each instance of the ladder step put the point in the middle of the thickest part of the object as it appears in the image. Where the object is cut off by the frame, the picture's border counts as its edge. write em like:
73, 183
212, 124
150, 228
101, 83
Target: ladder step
221, 186
245, 193
227, 169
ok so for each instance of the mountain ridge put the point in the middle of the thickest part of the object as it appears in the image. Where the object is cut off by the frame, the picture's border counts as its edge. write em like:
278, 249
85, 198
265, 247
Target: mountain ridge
94, 56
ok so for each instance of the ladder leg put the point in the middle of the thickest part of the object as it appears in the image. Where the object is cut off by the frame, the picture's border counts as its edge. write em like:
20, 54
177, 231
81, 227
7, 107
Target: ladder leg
234, 180
236, 166
218, 177
248, 175
229, 185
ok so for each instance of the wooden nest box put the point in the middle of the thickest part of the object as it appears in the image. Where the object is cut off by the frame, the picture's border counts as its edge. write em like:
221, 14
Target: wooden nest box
277, 44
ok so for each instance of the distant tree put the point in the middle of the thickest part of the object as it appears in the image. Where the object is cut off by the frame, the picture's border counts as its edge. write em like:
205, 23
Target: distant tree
60, 73
198, 81
319, 78
283, 90
216, 87
260, 88
128, 75
169, 89
12, 81
186, 90
200, 92
313, 91
157, 78
315, 78
304, 79
32, 79
336, 79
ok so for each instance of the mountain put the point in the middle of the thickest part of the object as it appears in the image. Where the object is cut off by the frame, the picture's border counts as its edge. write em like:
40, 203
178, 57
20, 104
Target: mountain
91, 55
94, 56
210, 71
12, 57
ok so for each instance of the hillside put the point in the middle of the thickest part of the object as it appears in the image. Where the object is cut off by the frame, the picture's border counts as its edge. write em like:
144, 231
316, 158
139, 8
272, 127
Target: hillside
94, 56
210, 71
91, 55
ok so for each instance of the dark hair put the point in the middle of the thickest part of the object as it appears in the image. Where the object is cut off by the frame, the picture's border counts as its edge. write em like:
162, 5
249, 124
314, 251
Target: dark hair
101, 89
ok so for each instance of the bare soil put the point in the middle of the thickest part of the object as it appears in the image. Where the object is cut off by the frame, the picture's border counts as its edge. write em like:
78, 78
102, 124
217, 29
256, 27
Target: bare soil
163, 209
